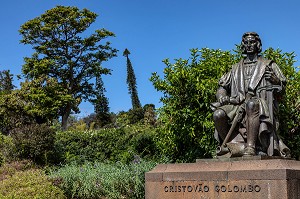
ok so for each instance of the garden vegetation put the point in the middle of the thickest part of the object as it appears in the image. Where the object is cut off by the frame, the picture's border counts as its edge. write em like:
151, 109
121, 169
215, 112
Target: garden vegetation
47, 153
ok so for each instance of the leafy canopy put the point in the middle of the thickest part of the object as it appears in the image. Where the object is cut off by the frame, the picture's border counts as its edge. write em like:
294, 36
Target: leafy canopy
63, 51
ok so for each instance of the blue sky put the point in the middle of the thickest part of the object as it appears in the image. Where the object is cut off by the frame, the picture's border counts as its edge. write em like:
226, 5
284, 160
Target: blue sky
157, 29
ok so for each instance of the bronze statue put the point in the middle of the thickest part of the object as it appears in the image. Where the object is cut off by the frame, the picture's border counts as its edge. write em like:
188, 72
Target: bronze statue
246, 111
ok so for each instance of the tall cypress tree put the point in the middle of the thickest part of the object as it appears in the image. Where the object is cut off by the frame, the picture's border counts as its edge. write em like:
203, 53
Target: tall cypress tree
131, 81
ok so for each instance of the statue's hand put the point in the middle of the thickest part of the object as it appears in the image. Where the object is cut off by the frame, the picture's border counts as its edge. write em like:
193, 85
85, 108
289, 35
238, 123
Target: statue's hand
224, 100
270, 76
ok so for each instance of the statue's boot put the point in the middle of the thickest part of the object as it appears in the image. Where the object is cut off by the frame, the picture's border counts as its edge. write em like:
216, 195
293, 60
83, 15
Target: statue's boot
252, 126
249, 151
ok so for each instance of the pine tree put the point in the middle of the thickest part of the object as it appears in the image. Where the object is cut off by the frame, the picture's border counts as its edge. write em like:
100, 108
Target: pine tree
131, 81
101, 103
6, 79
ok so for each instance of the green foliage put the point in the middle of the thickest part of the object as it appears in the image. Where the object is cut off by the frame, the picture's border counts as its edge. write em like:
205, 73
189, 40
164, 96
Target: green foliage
189, 87
112, 144
7, 149
135, 115
131, 81
13, 112
122, 119
9, 169
35, 142
101, 104
44, 98
37, 101
62, 53
29, 184
6, 79
21, 179
145, 115
97, 180
149, 115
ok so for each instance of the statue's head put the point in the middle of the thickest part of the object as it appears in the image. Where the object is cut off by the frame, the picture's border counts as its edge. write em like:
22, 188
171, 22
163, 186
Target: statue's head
251, 43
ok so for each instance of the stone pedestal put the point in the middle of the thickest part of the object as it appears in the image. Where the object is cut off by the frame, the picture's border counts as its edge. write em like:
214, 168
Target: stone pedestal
255, 178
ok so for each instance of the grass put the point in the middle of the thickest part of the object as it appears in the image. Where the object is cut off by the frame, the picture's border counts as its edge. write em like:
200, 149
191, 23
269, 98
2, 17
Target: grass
102, 180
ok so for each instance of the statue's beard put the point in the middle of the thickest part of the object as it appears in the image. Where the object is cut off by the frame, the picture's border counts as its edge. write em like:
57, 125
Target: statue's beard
251, 50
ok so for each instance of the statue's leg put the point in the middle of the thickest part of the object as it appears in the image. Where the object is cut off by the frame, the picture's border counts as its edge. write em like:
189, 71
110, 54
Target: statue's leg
221, 123
252, 126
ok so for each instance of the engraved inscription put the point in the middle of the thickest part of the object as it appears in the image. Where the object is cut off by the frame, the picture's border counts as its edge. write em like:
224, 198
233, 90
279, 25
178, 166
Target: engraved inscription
204, 188
189, 188
237, 188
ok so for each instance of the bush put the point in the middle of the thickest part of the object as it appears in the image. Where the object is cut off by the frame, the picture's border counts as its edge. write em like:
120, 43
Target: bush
117, 144
29, 184
149, 114
189, 87
9, 169
7, 149
96, 180
135, 115
35, 142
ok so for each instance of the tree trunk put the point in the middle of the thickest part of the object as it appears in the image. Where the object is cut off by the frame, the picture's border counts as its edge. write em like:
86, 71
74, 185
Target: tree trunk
65, 116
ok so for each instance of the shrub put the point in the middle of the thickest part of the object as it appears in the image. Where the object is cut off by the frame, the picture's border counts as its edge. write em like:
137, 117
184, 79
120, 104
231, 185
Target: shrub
117, 144
9, 169
35, 142
189, 86
136, 115
149, 114
7, 149
130, 117
96, 180
29, 184
122, 119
